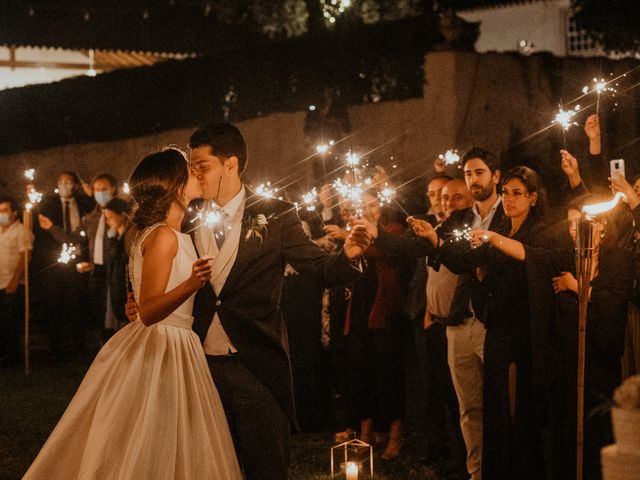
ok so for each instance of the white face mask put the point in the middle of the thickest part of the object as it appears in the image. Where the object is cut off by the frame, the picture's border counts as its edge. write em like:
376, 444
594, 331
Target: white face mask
65, 190
5, 220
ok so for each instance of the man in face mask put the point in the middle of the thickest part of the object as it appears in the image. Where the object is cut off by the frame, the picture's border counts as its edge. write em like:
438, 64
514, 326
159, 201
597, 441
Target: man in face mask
95, 228
12, 247
63, 284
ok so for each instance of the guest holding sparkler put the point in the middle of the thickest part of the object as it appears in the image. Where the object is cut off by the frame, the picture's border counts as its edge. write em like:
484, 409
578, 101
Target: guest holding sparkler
104, 188
553, 298
465, 328
12, 248
376, 328
631, 357
511, 433
59, 222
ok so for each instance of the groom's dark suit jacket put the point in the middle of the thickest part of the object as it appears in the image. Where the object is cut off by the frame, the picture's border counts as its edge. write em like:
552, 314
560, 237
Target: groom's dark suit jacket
249, 303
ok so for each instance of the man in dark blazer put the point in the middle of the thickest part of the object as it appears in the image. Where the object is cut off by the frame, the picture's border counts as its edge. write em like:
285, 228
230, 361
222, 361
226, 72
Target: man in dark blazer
465, 327
59, 222
237, 314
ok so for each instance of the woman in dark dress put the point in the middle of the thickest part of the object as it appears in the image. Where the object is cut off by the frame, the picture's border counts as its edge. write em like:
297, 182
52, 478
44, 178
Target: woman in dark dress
554, 311
376, 330
511, 433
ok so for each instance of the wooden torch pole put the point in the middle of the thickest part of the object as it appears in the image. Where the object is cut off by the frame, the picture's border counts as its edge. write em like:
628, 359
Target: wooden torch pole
584, 257
27, 220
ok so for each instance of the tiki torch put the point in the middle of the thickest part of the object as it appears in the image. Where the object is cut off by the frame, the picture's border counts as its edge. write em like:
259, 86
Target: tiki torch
585, 231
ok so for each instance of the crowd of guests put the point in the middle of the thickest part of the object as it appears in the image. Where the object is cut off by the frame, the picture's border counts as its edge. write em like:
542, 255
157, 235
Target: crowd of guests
86, 293
484, 283
482, 286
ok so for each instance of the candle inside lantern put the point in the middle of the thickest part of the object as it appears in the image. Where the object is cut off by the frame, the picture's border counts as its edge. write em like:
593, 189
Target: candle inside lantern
352, 471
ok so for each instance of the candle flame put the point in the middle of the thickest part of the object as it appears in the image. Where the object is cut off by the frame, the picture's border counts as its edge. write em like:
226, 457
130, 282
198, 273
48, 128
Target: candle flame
598, 208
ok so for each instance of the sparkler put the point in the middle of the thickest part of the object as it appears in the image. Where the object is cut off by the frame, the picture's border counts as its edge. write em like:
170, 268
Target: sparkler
27, 220
209, 217
450, 157
564, 118
267, 191
600, 87
310, 199
386, 195
461, 234
67, 254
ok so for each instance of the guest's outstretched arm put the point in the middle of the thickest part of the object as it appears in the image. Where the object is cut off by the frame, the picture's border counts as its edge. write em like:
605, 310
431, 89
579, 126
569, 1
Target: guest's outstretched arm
508, 246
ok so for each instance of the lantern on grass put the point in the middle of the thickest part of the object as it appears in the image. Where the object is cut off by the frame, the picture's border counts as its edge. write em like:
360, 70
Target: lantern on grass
352, 460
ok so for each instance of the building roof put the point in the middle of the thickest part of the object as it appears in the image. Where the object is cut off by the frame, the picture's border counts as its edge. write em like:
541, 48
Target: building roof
178, 26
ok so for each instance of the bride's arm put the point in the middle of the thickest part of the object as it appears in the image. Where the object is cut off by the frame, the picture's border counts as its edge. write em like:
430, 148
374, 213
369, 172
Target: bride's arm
159, 249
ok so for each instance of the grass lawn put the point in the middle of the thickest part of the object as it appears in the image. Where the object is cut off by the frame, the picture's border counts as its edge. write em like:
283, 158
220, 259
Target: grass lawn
31, 406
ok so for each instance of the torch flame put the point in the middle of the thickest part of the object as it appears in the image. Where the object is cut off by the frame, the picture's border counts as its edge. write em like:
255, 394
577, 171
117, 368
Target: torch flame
604, 206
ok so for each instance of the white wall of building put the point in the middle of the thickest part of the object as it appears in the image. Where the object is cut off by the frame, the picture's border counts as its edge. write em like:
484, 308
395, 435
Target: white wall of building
21, 76
542, 23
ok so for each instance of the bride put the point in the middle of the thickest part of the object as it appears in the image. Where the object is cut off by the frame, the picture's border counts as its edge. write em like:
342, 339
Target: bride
147, 407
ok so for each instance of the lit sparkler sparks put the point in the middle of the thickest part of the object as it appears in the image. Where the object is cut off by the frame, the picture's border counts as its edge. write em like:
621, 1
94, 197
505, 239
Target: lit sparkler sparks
310, 199
67, 254
34, 198
565, 117
208, 216
450, 157
462, 234
599, 87
353, 159
30, 174
386, 195
267, 191
125, 188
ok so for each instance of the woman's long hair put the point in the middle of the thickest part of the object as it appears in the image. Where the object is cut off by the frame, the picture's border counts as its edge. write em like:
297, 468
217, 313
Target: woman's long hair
156, 183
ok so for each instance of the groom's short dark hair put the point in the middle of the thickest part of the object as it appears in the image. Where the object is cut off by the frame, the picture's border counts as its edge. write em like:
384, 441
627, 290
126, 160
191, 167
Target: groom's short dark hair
225, 141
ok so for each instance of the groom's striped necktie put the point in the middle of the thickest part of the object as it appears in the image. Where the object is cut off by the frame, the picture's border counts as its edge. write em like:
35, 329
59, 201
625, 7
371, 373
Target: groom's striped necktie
219, 228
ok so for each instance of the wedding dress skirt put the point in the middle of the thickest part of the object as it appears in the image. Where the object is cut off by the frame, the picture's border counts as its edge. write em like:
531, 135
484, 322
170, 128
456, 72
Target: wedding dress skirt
147, 407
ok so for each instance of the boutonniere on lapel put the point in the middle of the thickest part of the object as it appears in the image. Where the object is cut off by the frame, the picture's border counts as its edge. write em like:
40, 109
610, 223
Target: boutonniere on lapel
257, 226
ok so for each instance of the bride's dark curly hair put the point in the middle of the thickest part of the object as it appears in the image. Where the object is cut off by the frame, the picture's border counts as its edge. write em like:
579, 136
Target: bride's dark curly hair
156, 183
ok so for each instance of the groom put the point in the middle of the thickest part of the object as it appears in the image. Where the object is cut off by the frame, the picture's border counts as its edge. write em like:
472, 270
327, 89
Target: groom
237, 314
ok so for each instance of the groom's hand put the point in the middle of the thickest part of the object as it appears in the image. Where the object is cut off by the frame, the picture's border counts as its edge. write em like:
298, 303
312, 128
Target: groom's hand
131, 307
358, 240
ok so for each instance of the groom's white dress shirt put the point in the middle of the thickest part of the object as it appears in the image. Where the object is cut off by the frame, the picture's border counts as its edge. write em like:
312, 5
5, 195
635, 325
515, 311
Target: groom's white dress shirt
217, 341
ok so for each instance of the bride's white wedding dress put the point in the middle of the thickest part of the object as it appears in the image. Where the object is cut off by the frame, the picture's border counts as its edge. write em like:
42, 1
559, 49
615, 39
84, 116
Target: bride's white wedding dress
147, 407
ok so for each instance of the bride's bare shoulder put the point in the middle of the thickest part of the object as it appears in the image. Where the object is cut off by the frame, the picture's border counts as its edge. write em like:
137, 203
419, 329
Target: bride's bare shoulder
161, 241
